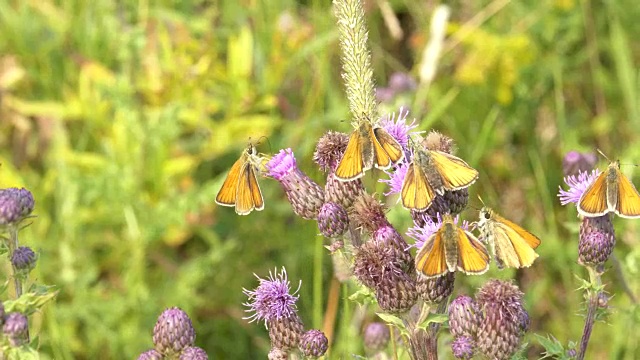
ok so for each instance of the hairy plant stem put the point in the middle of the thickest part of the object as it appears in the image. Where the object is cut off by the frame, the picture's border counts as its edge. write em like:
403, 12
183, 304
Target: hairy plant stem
593, 294
424, 343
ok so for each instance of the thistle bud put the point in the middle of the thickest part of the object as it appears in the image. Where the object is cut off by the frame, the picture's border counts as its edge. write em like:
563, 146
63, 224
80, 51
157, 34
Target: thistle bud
152, 354
194, 353
342, 192
305, 195
285, 332
450, 202
173, 332
376, 337
436, 290
23, 259
464, 317
278, 354
597, 239
313, 344
391, 237
369, 213
15, 205
15, 328
500, 333
332, 220
397, 292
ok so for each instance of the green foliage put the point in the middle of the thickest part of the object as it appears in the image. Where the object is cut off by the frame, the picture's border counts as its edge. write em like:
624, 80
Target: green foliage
123, 118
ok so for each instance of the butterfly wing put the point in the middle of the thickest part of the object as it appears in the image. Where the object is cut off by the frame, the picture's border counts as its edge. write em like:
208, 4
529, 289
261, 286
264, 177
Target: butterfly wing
455, 173
514, 245
248, 191
387, 150
416, 192
628, 198
431, 258
227, 194
351, 165
473, 258
593, 201
254, 189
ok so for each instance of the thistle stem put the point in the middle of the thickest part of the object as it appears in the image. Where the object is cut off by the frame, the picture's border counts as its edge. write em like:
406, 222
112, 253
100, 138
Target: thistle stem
592, 306
13, 245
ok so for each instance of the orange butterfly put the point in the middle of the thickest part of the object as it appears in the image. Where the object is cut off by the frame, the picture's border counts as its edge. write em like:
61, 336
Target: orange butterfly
610, 192
511, 245
451, 248
432, 172
240, 188
368, 146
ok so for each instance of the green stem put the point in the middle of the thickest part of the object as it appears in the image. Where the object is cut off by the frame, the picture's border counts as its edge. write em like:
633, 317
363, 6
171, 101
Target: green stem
592, 307
13, 245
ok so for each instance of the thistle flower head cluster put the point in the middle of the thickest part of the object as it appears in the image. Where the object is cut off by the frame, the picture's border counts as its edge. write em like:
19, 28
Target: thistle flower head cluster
493, 324
274, 303
597, 235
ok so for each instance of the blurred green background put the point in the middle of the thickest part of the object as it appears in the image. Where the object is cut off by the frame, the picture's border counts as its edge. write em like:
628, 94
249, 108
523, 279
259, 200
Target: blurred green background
123, 117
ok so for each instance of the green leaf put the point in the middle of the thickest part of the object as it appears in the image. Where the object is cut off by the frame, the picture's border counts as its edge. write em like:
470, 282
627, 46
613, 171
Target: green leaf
392, 319
33, 300
433, 319
363, 296
553, 347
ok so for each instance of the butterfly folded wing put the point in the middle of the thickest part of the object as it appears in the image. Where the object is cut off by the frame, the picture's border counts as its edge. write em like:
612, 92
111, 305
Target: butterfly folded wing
245, 200
227, 194
593, 201
351, 166
416, 192
473, 258
387, 150
514, 245
431, 258
628, 198
456, 174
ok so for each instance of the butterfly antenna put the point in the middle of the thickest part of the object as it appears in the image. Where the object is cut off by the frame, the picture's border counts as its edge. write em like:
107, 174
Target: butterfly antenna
603, 155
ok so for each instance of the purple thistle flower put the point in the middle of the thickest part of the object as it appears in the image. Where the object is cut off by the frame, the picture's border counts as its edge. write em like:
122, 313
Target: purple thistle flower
305, 195
282, 164
15, 328
462, 347
396, 177
577, 186
271, 300
398, 127
422, 233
